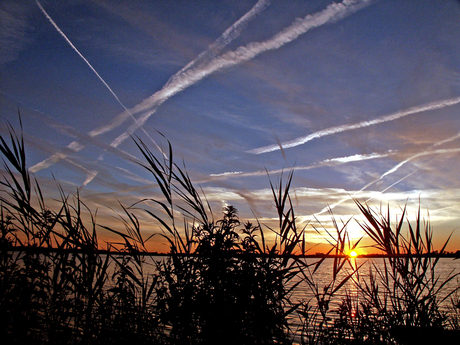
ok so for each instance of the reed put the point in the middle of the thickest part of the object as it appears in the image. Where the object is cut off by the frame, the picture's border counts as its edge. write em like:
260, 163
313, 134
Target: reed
222, 279
318, 315
408, 291
219, 282
45, 296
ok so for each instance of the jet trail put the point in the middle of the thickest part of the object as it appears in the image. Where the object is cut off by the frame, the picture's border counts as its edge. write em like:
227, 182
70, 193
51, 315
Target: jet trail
363, 124
182, 81
392, 170
328, 162
426, 152
227, 37
78, 52
397, 182
90, 66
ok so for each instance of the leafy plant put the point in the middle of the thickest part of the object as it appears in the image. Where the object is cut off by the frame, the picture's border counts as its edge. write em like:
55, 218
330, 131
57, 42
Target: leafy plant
217, 284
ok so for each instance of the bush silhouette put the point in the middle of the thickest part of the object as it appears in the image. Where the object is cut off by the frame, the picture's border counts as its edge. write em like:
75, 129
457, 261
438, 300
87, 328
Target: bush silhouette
225, 291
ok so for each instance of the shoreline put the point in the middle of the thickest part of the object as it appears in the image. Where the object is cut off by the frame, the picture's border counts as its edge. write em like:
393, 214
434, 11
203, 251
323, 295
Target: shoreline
34, 249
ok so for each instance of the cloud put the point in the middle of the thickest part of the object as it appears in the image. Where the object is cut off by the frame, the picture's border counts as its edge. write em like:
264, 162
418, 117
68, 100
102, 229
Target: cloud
184, 79
78, 52
427, 152
227, 37
227, 173
355, 158
363, 124
187, 77
392, 170
326, 162
75, 146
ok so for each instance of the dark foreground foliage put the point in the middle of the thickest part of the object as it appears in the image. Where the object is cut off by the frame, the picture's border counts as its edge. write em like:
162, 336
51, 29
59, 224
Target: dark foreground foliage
221, 283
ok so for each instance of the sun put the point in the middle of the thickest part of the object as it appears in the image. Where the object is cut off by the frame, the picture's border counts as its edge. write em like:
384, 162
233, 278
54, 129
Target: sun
353, 254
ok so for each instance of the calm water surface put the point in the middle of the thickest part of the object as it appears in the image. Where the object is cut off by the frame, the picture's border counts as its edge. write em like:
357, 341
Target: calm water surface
324, 275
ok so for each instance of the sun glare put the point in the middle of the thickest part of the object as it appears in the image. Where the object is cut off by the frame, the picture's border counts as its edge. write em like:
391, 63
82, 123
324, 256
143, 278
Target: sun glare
353, 254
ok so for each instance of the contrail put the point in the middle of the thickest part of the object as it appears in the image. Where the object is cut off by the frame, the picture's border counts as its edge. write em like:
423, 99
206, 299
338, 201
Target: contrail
397, 182
75, 146
210, 53
180, 82
104, 169
426, 152
184, 79
79, 137
227, 37
91, 67
327, 162
363, 124
392, 170
78, 52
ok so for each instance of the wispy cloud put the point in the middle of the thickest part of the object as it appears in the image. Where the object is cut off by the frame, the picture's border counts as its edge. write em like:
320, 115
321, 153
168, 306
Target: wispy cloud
355, 158
227, 173
391, 171
363, 124
184, 79
197, 71
76, 146
326, 162
105, 171
227, 37
427, 152
78, 52
230, 34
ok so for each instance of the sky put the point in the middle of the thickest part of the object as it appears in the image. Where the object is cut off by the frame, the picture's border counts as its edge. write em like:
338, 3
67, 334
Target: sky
360, 99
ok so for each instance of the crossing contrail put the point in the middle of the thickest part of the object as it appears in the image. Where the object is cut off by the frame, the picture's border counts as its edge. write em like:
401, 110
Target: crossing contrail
78, 52
227, 37
89, 65
363, 124
327, 162
178, 83
426, 152
392, 170
395, 183
185, 78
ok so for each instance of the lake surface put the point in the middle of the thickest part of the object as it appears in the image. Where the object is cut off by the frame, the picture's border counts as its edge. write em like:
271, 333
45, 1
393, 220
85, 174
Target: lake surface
323, 276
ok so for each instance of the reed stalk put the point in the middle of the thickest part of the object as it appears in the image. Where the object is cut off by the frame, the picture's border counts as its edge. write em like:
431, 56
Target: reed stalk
222, 280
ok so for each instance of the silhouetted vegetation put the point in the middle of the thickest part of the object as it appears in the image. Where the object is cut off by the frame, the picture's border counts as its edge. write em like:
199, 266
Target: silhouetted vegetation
222, 281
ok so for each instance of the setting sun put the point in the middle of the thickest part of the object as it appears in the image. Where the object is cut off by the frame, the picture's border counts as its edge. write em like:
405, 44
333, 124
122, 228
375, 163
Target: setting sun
353, 254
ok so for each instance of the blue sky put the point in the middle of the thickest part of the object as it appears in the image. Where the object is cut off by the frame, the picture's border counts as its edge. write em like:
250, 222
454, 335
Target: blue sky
360, 98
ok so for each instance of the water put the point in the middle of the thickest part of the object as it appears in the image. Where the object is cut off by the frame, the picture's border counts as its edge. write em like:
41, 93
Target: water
323, 276
356, 279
